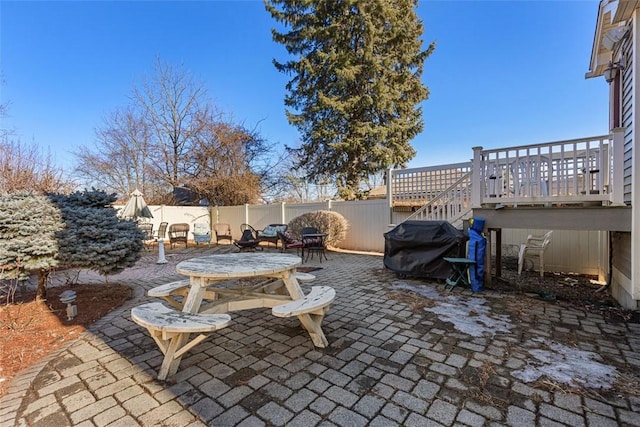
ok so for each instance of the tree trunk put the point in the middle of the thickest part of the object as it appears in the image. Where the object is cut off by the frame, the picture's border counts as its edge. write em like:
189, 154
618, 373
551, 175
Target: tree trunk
41, 292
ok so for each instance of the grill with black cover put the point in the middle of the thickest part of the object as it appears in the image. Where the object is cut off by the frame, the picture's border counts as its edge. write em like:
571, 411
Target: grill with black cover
416, 248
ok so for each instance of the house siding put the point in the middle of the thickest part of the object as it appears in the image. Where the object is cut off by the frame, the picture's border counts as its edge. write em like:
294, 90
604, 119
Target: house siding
624, 248
569, 251
621, 251
627, 115
634, 282
622, 288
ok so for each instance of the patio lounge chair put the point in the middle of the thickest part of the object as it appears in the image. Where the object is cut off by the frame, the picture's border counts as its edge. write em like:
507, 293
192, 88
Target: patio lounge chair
147, 229
289, 242
178, 233
531, 176
223, 232
201, 233
270, 233
249, 240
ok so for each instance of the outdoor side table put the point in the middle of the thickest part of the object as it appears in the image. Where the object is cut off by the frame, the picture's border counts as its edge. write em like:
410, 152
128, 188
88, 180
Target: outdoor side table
314, 243
459, 272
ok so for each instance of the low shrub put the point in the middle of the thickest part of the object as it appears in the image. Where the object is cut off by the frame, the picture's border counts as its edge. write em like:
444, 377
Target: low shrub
333, 224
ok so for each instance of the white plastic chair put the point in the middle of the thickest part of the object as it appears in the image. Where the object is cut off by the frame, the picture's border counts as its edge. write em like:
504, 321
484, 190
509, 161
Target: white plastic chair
530, 176
532, 248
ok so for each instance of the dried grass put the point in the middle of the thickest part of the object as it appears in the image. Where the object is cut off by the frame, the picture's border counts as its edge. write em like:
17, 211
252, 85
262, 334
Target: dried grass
416, 303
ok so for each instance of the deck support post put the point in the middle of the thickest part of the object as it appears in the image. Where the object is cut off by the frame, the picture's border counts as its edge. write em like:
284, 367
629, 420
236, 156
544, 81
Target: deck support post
390, 193
616, 186
477, 186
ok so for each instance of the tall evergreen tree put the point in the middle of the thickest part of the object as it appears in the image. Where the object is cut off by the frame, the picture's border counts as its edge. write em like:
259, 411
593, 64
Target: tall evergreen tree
356, 88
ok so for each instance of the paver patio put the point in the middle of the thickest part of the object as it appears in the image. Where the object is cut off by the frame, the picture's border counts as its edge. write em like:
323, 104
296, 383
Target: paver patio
401, 352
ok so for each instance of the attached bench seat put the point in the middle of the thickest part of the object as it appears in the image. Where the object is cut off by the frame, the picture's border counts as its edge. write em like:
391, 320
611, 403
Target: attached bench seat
155, 315
315, 302
310, 310
170, 329
169, 290
304, 277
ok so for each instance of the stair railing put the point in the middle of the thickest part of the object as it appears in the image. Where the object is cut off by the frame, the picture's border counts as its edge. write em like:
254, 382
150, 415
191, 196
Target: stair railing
452, 205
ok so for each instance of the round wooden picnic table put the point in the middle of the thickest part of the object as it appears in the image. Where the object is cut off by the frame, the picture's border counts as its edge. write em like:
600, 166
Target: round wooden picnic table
236, 265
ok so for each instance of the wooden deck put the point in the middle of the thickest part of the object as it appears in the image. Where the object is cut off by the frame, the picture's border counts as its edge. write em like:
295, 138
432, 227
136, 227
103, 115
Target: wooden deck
573, 174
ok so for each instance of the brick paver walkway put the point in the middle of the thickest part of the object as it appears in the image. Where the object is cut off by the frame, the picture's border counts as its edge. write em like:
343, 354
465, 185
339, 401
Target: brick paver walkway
396, 357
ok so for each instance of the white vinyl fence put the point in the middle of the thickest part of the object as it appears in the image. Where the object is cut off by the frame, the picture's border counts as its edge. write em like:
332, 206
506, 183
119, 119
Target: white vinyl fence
570, 251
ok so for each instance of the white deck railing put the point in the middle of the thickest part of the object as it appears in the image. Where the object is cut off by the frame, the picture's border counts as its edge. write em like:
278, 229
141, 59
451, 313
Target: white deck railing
418, 186
575, 171
563, 172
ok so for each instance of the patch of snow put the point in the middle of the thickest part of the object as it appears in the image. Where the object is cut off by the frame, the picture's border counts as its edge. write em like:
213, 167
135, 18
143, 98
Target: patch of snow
424, 291
559, 362
472, 317
567, 365
468, 315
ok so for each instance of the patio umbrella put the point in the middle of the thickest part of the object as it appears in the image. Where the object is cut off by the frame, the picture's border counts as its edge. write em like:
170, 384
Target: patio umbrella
136, 207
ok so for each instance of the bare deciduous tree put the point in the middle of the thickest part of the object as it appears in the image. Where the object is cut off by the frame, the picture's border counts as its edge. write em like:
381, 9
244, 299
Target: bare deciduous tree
27, 168
172, 137
122, 161
224, 169
173, 105
294, 185
4, 110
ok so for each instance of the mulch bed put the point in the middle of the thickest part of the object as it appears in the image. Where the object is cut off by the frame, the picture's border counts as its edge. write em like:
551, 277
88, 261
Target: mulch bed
577, 291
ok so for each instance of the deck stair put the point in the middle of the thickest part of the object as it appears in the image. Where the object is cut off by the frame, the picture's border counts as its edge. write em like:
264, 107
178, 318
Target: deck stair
452, 205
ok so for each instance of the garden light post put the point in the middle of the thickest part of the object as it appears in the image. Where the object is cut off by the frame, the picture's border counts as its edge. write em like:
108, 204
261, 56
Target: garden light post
68, 297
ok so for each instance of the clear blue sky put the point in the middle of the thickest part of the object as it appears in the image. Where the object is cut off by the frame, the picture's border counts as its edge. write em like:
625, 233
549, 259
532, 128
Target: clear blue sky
503, 73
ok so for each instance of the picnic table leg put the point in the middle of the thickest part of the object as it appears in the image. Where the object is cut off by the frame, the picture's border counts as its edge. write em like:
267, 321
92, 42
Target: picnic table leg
311, 322
170, 363
192, 302
293, 287
194, 297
